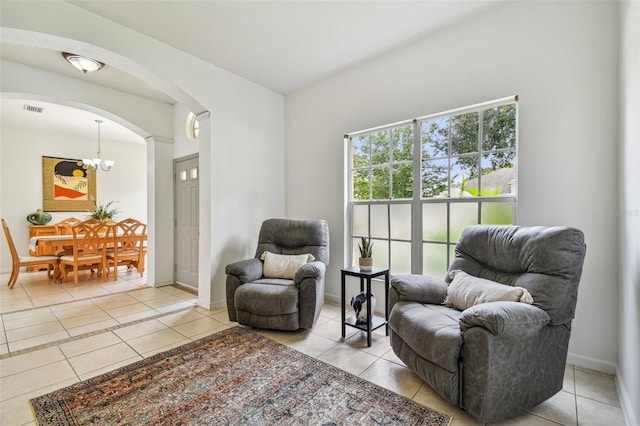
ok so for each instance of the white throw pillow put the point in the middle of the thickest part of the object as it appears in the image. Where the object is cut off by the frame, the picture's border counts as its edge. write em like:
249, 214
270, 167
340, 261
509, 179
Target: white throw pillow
466, 290
283, 265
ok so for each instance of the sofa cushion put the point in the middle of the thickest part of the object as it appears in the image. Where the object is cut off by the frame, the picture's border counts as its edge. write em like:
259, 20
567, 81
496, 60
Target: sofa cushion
283, 266
432, 331
466, 290
267, 297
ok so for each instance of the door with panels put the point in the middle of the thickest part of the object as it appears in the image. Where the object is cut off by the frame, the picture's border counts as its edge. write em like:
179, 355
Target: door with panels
186, 221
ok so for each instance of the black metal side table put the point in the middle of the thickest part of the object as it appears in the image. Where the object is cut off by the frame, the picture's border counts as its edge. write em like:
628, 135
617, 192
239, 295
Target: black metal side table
373, 321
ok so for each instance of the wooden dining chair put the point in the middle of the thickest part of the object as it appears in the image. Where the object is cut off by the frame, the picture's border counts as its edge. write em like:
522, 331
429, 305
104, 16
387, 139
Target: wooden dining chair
89, 243
64, 228
128, 246
20, 261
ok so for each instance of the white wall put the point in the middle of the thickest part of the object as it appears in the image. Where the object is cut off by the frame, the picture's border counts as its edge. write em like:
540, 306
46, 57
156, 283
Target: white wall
241, 150
21, 151
560, 58
629, 208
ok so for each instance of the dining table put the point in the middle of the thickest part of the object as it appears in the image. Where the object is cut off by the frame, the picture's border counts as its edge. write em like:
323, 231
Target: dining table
57, 243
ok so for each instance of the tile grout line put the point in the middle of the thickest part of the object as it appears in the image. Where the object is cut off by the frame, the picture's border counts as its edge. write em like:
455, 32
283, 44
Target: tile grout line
11, 354
141, 287
93, 302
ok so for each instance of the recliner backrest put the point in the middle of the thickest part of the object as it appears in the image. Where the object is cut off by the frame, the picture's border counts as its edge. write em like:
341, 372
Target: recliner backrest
287, 236
547, 261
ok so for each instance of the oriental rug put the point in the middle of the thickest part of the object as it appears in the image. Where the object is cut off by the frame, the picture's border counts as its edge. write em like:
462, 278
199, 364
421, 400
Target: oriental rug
234, 377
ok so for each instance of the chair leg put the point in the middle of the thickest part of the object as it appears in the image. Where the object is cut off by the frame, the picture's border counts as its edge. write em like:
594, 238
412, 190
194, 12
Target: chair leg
14, 276
62, 273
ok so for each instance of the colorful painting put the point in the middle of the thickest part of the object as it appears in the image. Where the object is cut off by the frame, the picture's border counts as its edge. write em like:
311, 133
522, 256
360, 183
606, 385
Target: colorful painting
67, 185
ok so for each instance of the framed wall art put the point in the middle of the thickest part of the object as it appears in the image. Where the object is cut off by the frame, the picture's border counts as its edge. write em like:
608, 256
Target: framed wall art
67, 185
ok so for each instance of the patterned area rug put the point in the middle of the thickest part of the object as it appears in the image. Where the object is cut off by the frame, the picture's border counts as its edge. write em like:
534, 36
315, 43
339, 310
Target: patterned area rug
234, 377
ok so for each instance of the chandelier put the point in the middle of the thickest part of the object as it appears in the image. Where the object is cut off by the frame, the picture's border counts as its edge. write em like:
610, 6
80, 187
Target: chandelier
93, 163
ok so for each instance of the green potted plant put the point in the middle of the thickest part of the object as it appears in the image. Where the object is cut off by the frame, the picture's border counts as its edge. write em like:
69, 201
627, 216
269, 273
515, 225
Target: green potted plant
102, 212
366, 251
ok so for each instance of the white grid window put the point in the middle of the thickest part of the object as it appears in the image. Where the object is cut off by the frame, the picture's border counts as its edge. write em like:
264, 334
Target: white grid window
413, 186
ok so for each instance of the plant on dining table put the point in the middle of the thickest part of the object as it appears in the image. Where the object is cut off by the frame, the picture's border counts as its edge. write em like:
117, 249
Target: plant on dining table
103, 212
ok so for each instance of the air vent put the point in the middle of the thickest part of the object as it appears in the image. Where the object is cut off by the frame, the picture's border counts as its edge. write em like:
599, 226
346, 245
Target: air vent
33, 108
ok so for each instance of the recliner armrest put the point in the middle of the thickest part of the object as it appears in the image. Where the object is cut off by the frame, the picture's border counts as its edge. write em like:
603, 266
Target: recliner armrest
245, 270
314, 270
508, 319
419, 288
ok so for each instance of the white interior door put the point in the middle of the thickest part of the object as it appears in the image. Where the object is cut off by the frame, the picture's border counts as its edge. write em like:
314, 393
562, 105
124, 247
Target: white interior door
186, 174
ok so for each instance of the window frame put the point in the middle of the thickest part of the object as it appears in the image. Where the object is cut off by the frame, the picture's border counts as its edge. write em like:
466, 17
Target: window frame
417, 202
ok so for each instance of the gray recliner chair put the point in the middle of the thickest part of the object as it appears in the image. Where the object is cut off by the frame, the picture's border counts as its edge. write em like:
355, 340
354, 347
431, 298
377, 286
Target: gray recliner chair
281, 303
494, 360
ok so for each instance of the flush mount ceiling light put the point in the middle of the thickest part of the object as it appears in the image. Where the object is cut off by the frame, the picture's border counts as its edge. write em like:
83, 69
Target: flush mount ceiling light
93, 163
82, 63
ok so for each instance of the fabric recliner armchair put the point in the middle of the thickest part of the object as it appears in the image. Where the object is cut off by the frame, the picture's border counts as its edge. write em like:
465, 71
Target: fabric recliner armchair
281, 303
494, 360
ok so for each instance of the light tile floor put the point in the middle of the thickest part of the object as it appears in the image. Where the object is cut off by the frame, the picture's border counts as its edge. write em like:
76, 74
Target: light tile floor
54, 335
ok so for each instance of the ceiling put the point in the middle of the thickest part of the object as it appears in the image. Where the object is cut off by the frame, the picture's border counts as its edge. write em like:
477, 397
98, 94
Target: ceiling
285, 45
282, 45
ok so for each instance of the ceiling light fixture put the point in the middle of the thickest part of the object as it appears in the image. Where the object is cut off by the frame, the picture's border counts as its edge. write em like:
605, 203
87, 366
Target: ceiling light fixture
82, 63
93, 163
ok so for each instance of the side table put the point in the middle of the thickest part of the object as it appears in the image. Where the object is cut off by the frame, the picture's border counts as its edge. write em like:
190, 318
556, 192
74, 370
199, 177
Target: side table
373, 321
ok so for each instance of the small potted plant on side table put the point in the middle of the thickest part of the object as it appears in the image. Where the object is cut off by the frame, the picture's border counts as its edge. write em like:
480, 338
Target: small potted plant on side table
366, 250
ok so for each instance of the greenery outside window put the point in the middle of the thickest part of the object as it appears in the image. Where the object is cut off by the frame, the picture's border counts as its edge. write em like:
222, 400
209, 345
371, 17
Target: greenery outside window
413, 186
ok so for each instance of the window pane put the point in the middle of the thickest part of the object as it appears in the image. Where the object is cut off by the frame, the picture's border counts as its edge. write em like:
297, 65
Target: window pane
402, 138
380, 144
464, 170
194, 173
402, 181
464, 133
497, 213
400, 257
183, 175
360, 220
499, 128
498, 173
434, 222
434, 178
434, 260
379, 221
401, 221
360, 152
462, 214
380, 183
435, 138
361, 185
380, 254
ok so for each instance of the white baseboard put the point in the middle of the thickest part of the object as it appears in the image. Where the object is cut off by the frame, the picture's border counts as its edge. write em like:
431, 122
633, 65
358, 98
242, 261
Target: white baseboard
625, 402
219, 304
204, 304
332, 298
213, 306
591, 363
